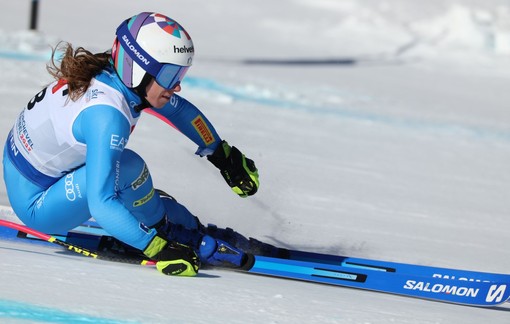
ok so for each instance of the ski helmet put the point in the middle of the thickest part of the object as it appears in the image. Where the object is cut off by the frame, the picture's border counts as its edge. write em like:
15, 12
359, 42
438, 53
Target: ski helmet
155, 44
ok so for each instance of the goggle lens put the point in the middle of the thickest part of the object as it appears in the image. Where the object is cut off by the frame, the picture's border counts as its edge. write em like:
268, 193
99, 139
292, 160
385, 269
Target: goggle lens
170, 75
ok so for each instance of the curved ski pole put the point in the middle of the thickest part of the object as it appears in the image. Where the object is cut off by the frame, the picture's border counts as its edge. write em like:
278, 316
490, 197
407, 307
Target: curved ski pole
74, 248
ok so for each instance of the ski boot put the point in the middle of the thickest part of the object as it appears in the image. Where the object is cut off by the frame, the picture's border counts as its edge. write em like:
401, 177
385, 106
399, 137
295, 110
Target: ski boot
248, 245
219, 253
189, 231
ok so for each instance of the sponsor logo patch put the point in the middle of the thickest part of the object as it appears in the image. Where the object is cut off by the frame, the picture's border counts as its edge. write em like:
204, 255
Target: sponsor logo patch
135, 51
184, 49
118, 142
143, 200
202, 129
141, 179
457, 290
72, 189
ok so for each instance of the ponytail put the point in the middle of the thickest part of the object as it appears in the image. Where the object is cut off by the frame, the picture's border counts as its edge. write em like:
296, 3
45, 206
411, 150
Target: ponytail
77, 67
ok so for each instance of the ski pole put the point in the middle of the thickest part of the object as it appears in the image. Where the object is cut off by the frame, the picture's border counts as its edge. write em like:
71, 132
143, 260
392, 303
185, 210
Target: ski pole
74, 248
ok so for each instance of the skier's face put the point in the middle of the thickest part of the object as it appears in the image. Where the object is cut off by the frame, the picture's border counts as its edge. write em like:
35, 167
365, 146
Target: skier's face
158, 96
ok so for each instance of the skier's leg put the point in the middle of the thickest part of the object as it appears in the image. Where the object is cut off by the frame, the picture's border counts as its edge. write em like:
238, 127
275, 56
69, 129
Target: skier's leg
56, 209
63, 206
182, 226
136, 190
177, 214
187, 229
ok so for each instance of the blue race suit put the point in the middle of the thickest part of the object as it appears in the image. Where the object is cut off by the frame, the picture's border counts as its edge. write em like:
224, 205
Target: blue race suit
65, 161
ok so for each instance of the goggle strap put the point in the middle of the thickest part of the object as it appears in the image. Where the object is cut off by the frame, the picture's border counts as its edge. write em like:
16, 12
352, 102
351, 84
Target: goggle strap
138, 54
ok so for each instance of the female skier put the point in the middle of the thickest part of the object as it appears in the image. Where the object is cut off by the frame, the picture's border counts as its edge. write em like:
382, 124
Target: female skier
65, 159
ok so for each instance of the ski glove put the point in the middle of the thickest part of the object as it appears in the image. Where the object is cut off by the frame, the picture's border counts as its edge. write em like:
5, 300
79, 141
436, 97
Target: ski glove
238, 171
173, 258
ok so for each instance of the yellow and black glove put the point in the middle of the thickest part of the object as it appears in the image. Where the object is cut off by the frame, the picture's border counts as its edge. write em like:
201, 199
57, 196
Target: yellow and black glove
173, 258
238, 171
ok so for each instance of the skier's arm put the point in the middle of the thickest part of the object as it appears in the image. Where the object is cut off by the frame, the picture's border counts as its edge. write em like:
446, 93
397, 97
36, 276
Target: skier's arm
190, 121
238, 171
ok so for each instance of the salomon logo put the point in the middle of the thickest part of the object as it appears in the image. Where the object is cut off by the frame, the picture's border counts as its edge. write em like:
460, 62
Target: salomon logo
183, 49
441, 288
496, 293
135, 51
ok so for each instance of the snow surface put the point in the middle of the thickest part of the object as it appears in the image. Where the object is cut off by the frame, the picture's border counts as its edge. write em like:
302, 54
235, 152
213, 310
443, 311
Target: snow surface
380, 129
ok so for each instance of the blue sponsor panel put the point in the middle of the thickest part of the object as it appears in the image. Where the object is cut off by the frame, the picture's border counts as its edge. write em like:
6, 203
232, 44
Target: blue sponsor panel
401, 268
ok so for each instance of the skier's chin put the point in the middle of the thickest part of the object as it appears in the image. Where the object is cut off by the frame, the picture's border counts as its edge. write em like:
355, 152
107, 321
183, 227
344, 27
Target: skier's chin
160, 102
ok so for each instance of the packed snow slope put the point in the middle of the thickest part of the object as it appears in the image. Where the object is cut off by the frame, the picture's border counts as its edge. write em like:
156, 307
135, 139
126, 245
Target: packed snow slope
380, 130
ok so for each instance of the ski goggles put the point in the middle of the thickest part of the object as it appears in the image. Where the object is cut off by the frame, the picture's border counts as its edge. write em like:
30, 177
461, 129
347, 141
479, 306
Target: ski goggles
166, 75
170, 75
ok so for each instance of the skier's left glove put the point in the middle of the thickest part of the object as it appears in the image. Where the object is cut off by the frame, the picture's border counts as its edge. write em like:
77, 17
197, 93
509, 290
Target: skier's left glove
173, 258
238, 171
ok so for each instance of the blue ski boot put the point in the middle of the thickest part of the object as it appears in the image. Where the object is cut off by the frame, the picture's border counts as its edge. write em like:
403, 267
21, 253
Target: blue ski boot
219, 253
248, 245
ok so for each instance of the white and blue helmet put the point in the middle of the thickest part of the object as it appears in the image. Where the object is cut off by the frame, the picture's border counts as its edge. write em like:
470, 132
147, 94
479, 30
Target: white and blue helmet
155, 44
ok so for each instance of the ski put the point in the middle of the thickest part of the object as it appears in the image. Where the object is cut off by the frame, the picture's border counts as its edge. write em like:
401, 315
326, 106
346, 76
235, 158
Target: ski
89, 232
366, 276
472, 293
93, 237
433, 283
396, 267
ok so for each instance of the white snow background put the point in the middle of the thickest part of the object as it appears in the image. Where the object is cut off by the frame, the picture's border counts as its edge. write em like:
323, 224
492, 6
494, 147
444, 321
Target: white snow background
381, 129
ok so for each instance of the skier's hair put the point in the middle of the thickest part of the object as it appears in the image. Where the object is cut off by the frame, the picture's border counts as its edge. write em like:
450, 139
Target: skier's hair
77, 67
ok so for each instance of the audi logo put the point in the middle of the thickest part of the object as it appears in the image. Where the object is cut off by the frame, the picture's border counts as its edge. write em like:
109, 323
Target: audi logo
69, 186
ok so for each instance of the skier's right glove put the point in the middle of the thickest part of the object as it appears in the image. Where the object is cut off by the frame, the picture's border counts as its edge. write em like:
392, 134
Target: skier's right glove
239, 172
173, 258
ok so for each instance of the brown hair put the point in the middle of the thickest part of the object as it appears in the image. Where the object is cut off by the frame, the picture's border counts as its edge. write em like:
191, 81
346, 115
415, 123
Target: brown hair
77, 67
